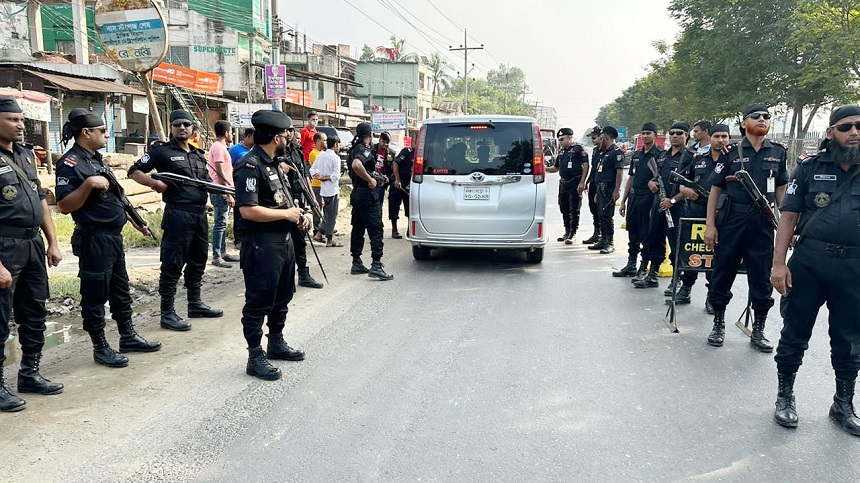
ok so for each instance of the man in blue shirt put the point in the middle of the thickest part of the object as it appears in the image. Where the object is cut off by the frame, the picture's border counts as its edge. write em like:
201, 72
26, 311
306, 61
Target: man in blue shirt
241, 149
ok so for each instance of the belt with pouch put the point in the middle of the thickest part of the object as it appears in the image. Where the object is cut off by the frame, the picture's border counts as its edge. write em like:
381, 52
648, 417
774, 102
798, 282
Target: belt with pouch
831, 249
196, 209
22, 233
641, 191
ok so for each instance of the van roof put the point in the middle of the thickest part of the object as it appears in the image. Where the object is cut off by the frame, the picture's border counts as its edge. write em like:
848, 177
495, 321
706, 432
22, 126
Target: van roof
479, 118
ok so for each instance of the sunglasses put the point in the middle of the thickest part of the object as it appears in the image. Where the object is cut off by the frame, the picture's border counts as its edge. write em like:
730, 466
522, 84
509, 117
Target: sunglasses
677, 133
846, 126
181, 124
99, 129
757, 115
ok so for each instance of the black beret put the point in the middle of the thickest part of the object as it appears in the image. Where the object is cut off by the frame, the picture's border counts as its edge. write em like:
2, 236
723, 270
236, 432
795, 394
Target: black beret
180, 114
650, 126
595, 131
842, 112
84, 118
610, 131
681, 125
270, 120
758, 107
718, 128
9, 104
565, 131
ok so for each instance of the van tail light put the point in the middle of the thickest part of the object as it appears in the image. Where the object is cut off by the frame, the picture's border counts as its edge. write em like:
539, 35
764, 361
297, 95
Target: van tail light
418, 164
537, 152
413, 228
540, 230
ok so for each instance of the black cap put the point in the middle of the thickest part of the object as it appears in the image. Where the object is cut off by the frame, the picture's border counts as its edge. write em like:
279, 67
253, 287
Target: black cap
718, 128
9, 104
681, 125
650, 126
269, 120
565, 131
758, 107
842, 112
595, 131
363, 129
180, 114
610, 131
84, 118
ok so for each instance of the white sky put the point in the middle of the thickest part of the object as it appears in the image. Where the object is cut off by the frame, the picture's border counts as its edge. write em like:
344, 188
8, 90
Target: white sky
577, 55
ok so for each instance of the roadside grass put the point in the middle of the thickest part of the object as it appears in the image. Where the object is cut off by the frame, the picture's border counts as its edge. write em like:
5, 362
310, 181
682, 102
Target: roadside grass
64, 285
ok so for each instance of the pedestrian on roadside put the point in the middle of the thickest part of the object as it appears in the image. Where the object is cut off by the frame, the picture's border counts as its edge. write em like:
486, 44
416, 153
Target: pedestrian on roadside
240, 149
399, 193
306, 136
592, 187
221, 171
607, 181
327, 170
366, 209
97, 241
296, 178
701, 144
23, 263
820, 207
185, 239
572, 166
319, 147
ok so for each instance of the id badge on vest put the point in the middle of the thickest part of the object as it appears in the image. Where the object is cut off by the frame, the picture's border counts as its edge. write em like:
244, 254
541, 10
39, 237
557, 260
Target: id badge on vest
771, 184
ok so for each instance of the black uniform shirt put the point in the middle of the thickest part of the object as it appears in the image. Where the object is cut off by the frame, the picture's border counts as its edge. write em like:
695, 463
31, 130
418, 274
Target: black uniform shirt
594, 159
668, 162
170, 158
570, 161
365, 155
639, 169
608, 163
294, 151
404, 162
101, 208
768, 162
260, 181
699, 171
20, 201
813, 185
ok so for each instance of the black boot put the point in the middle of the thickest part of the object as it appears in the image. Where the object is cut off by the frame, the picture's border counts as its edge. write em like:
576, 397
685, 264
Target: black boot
305, 279
786, 412
358, 267
594, 238
599, 245
608, 247
103, 353
377, 271
641, 272
842, 409
650, 280
757, 338
629, 270
565, 236
131, 341
197, 309
570, 237
9, 402
169, 319
29, 379
718, 333
259, 366
682, 297
668, 291
278, 349
709, 309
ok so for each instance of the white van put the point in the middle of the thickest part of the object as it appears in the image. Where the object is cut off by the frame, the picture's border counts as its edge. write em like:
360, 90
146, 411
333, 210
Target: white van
478, 182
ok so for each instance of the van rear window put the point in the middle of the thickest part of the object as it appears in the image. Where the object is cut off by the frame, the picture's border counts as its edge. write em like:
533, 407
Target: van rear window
499, 149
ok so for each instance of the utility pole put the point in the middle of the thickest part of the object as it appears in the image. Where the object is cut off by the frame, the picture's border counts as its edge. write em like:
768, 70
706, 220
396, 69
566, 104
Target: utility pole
277, 35
465, 49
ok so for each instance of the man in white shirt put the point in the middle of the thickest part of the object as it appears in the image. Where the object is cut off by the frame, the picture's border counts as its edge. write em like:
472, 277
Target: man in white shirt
326, 168
702, 137
220, 168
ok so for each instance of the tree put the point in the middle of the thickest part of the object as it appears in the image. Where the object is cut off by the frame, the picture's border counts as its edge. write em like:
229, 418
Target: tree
400, 54
512, 81
439, 75
485, 98
366, 54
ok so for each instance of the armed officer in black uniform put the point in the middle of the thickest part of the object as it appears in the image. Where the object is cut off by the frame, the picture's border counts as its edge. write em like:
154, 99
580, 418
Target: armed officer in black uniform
97, 241
637, 201
670, 201
268, 218
592, 187
742, 231
607, 181
699, 171
23, 269
572, 165
399, 191
185, 242
366, 210
822, 206
295, 176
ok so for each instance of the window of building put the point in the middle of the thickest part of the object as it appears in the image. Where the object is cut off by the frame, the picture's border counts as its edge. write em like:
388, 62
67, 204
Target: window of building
183, 4
320, 90
420, 80
178, 56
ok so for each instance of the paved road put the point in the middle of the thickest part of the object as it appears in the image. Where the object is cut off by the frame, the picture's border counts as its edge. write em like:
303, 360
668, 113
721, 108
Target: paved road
478, 367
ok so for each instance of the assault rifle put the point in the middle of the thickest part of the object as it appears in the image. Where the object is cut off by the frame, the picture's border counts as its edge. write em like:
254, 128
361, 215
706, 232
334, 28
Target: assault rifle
117, 190
682, 180
197, 183
311, 201
652, 165
743, 177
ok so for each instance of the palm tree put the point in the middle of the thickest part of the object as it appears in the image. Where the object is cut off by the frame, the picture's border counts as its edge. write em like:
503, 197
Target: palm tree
400, 55
439, 75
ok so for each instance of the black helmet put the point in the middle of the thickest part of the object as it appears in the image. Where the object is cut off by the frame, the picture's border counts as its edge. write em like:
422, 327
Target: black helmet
363, 130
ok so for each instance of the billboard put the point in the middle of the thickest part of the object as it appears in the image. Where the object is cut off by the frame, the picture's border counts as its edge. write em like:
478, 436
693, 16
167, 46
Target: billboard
132, 33
239, 113
188, 78
388, 121
275, 78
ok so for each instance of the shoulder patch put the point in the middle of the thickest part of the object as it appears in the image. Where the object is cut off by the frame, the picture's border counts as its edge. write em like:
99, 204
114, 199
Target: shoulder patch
366, 152
70, 162
145, 159
62, 181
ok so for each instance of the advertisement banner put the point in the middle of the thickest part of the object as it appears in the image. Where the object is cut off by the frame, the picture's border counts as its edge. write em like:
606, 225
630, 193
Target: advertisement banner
298, 97
132, 33
388, 121
276, 81
188, 78
239, 113
36, 105
140, 105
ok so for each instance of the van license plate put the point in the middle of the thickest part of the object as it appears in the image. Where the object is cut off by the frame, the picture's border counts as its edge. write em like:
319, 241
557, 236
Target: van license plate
476, 193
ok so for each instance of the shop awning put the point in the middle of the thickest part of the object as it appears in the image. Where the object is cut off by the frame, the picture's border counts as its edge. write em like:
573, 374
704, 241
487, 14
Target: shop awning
78, 84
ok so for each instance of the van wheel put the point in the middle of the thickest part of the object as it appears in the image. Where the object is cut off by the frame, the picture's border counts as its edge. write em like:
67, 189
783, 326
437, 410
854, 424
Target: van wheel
420, 253
534, 256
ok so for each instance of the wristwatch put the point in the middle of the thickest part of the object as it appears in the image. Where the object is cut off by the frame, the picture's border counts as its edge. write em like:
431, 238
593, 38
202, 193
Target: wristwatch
672, 200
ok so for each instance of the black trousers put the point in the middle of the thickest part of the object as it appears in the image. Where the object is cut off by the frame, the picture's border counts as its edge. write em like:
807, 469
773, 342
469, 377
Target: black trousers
366, 216
269, 269
395, 198
592, 206
820, 278
744, 235
659, 233
638, 217
300, 247
606, 210
695, 210
185, 244
25, 260
569, 203
101, 268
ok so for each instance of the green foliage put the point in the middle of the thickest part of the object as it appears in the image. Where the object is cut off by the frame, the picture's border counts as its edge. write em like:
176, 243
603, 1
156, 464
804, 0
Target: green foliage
500, 93
440, 76
366, 54
64, 285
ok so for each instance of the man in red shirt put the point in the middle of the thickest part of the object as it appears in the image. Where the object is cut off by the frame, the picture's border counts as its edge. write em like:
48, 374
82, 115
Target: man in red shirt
308, 136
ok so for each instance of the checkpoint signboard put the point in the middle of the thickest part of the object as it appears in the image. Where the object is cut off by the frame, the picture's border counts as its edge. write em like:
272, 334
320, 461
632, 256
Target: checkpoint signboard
132, 32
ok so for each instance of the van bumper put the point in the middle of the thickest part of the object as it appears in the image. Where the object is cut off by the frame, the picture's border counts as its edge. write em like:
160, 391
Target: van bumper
525, 241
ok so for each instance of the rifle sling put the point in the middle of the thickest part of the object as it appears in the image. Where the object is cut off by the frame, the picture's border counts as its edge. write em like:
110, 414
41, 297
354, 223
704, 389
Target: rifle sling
18, 171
